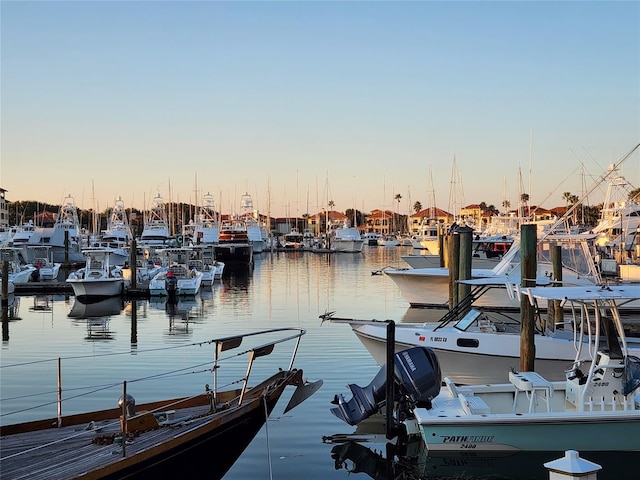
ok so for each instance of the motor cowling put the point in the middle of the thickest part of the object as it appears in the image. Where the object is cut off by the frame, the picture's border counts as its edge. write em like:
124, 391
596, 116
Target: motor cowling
417, 376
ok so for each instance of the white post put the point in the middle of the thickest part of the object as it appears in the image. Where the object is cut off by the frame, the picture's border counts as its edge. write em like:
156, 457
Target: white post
572, 467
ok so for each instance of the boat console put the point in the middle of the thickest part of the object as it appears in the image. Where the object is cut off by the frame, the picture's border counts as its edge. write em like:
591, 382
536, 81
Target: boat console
603, 387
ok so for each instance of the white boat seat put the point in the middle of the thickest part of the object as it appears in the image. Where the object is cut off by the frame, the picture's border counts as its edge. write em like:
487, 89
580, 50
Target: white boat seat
472, 405
534, 385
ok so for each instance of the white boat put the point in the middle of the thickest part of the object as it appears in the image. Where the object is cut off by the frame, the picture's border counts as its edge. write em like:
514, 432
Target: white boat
346, 239
206, 228
18, 270
430, 286
177, 277
22, 233
618, 228
205, 263
118, 234
65, 229
595, 408
371, 238
487, 251
156, 231
479, 347
249, 217
426, 236
293, 240
46, 269
98, 278
388, 241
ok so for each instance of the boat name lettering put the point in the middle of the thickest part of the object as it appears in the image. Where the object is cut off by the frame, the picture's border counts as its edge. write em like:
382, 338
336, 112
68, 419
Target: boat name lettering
438, 339
467, 439
409, 361
601, 384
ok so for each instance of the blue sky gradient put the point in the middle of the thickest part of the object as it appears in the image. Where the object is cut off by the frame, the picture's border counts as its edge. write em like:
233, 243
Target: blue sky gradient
300, 103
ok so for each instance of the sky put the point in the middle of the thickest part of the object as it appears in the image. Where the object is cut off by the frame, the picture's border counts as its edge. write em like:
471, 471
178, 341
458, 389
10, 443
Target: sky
300, 103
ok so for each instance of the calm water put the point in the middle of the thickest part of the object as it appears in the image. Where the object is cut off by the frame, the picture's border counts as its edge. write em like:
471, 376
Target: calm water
284, 290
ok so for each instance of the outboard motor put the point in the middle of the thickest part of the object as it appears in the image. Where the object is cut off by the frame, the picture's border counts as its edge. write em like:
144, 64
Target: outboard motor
417, 377
170, 283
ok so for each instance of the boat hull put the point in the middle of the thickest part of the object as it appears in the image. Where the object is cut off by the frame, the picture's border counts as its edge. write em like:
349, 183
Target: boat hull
97, 288
471, 358
347, 246
518, 432
186, 451
430, 288
234, 255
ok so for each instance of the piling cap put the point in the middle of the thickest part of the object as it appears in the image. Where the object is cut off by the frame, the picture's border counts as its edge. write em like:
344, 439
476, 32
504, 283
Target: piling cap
572, 463
169, 273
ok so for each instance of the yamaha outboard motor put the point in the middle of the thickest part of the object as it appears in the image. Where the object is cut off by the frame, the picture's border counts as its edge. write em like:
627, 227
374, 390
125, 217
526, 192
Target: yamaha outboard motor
417, 377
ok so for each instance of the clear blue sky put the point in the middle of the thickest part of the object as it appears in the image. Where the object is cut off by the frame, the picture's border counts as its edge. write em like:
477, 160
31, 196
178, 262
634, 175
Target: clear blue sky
300, 103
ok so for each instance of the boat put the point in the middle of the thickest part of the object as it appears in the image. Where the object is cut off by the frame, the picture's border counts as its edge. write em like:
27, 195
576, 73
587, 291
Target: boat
178, 277
426, 235
252, 226
156, 231
118, 234
618, 227
205, 430
476, 347
371, 238
98, 278
388, 241
429, 287
21, 234
46, 269
63, 238
206, 229
487, 251
293, 240
234, 248
205, 263
346, 239
18, 270
528, 412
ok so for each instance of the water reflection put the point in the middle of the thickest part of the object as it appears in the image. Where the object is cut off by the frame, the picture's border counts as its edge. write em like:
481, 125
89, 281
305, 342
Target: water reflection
103, 308
42, 303
182, 313
411, 460
96, 317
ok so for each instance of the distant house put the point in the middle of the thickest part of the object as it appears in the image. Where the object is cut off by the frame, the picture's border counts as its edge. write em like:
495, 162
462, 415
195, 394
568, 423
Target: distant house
381, 221
472, 213
319, 221
45, 219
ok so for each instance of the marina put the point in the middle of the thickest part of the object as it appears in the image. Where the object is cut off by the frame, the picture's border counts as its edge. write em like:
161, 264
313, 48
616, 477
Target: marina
283, 290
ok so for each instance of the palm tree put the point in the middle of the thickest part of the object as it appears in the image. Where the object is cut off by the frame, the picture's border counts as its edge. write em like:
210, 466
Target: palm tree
506, 204
397, 197
417, 207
